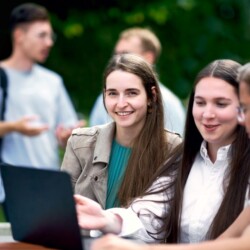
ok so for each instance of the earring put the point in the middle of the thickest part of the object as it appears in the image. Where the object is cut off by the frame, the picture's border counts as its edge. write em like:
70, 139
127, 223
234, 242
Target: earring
149, 108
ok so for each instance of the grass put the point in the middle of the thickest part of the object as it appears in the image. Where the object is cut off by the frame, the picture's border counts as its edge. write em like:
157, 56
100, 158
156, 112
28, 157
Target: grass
2, 217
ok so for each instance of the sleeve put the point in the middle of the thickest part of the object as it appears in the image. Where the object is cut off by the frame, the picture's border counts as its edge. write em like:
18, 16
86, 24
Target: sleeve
142, 219
66, 114
99, 115
70, 163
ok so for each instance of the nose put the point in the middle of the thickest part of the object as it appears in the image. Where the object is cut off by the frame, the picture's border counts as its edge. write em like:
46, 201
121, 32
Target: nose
208, 113
122, 101
49, 41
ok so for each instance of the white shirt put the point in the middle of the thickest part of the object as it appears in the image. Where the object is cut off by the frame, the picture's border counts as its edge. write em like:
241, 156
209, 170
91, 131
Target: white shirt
203, 194
39, 92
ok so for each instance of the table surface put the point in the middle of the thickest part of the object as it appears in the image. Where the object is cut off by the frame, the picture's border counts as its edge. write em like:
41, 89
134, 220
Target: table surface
21, 246
7, 243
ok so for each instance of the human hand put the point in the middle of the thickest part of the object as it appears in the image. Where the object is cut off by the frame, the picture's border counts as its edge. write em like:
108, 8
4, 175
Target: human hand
29, 126
63, 133
91, 216
112, 242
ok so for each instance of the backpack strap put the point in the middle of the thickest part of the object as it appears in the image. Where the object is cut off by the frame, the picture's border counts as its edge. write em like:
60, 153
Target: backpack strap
3, 85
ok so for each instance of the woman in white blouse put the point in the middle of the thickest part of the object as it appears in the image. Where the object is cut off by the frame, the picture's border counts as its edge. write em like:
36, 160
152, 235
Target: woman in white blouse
204, 186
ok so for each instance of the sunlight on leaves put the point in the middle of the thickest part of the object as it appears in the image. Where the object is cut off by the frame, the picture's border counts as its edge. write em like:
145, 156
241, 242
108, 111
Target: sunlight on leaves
73, 30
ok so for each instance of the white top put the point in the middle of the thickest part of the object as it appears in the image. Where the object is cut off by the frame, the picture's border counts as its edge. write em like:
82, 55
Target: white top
174, 112
202, 197
37, 92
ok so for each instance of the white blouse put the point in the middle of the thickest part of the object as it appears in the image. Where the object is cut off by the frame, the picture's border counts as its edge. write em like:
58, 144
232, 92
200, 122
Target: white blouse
203, 195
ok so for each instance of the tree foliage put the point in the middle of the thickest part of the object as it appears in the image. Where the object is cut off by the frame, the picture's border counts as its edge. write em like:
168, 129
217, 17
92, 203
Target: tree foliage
192, 32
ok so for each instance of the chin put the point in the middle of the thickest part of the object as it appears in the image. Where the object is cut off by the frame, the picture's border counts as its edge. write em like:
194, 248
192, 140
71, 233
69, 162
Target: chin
41, 59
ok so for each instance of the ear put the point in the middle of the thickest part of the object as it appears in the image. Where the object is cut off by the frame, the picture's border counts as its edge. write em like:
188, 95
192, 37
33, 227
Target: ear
149, 57
153, 89
18, 35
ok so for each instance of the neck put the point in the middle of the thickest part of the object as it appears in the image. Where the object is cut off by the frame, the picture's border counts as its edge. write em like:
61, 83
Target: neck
18, 61
125, 137
212, 152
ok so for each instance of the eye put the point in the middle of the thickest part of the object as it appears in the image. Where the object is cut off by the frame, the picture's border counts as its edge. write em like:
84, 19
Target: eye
200, 103
221, 104
132, 93
244, 110
111, 93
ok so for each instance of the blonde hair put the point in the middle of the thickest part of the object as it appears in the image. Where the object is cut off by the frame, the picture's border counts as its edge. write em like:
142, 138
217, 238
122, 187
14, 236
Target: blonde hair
149, 40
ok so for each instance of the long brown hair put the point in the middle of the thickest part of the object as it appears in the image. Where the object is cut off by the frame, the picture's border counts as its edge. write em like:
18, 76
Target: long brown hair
150, 147
236, 180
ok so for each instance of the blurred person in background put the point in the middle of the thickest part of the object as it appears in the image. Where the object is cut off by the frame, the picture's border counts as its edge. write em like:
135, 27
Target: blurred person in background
144, 42
39, 114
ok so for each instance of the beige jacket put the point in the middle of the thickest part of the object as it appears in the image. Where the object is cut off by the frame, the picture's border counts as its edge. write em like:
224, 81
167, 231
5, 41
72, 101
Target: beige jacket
87, 156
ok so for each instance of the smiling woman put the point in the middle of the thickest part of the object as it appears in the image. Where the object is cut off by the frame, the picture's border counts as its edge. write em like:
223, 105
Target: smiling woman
113, 163
198, 193
244, 109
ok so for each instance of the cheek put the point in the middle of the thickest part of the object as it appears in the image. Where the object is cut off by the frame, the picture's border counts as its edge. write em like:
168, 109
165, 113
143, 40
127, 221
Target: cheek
247, 122
229, 116
197, 113
141, 104
109, 104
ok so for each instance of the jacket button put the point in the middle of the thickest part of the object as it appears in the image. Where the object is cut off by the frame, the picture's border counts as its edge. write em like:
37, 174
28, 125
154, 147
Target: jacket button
96, 178
95, 157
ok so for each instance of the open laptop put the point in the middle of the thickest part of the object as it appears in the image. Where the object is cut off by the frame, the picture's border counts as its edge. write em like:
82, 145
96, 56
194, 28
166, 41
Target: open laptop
40, 207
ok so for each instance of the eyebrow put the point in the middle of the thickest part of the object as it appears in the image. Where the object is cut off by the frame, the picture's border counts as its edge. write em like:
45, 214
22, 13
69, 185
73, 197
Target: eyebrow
129, 89
217, 98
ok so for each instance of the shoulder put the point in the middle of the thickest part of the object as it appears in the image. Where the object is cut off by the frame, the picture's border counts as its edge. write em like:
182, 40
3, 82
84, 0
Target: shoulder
82, 137
45, 72
173, 138
93, 130
168, 96
90, 131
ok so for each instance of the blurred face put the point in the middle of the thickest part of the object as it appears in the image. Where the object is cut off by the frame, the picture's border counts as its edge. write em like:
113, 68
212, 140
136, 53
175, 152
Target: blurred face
35, 40
215, 111
129, 45
245, 104
126, 100
133, 45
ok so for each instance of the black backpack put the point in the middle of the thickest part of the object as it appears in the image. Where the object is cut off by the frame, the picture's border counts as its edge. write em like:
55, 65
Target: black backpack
3, 86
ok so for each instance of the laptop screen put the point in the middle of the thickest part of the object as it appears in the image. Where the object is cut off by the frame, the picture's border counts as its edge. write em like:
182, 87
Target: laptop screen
40, 206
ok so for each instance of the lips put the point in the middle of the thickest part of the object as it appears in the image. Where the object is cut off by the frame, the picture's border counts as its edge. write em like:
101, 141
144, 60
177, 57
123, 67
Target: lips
210, 127
124, 113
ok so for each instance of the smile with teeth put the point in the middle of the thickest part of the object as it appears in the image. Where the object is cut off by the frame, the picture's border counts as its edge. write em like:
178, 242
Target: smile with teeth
211, 126
124, 113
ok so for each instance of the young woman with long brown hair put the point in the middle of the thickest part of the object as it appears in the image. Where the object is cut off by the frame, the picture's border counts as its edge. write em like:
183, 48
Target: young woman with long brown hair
205, 185
113, 163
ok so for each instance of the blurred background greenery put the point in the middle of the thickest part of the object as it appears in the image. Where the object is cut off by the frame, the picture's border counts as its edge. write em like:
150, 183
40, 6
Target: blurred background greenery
192, 33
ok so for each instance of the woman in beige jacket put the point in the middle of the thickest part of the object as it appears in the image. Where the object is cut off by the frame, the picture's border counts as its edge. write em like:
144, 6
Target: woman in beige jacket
113, 163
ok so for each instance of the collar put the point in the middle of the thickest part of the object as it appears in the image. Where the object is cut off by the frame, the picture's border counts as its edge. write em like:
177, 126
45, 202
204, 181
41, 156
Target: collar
104, 143
223, 153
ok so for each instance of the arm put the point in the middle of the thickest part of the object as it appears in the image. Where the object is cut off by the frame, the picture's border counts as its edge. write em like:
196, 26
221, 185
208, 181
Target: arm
91, 216
63, 133
238, 226
111, 242
23, 126
137, 220
71, 164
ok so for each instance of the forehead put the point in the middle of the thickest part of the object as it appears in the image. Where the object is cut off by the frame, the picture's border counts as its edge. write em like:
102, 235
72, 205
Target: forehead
129, 45
119, 79
244, 93
211, 87
37, 26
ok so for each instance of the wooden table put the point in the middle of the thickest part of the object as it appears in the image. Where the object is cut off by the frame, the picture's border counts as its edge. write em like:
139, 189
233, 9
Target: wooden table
21, 246
8, 243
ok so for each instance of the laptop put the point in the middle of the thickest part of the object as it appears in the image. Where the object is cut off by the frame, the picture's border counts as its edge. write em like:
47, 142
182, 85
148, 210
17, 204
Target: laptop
40, 207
